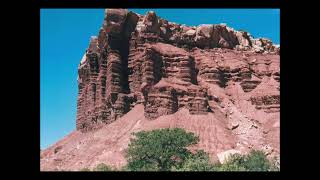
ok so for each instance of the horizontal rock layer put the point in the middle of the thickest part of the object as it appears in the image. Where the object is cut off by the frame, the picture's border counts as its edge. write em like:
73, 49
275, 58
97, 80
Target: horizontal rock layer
142, 72
147, 60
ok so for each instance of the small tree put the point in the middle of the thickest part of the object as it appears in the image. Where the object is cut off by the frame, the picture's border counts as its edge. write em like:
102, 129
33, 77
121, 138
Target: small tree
160, 149
196, 162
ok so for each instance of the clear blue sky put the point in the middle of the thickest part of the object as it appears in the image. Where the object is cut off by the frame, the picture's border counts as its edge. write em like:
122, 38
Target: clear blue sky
64, 37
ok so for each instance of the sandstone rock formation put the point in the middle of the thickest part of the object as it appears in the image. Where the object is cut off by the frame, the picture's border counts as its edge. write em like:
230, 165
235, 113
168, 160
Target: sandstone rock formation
133, 53
225, 82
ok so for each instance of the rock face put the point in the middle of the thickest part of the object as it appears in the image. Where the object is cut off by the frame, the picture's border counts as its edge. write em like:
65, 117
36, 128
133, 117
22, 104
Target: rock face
103, 72
133, 53
143, 72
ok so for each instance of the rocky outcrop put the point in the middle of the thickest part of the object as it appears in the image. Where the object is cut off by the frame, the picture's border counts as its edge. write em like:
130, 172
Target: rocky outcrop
263, 44
221, 67
161, 100
143, 72
249, 84
103, 79
269, 103
147, 60
198, 101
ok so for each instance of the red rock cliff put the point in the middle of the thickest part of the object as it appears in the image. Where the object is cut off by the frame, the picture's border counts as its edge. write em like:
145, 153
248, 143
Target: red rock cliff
144, 73
147, 60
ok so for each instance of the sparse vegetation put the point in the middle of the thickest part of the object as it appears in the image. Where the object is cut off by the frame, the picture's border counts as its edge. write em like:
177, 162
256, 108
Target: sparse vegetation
99, 167
234, 163
254, 161
166, 150
102, 167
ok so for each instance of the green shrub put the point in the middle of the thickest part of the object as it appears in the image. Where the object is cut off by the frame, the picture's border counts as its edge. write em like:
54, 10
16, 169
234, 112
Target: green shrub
254, 161
124, 168
166, 150
102, 167
196, 162
159, 150
234, 163
257, 161
231, 167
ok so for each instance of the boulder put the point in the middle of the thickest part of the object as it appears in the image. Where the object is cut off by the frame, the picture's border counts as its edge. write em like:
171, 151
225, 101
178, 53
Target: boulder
223, 156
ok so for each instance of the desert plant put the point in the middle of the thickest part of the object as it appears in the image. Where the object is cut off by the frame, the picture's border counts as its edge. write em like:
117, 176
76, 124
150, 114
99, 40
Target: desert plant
234, 163
159, 150
102, 167
257, 161
254, 161
196, 162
